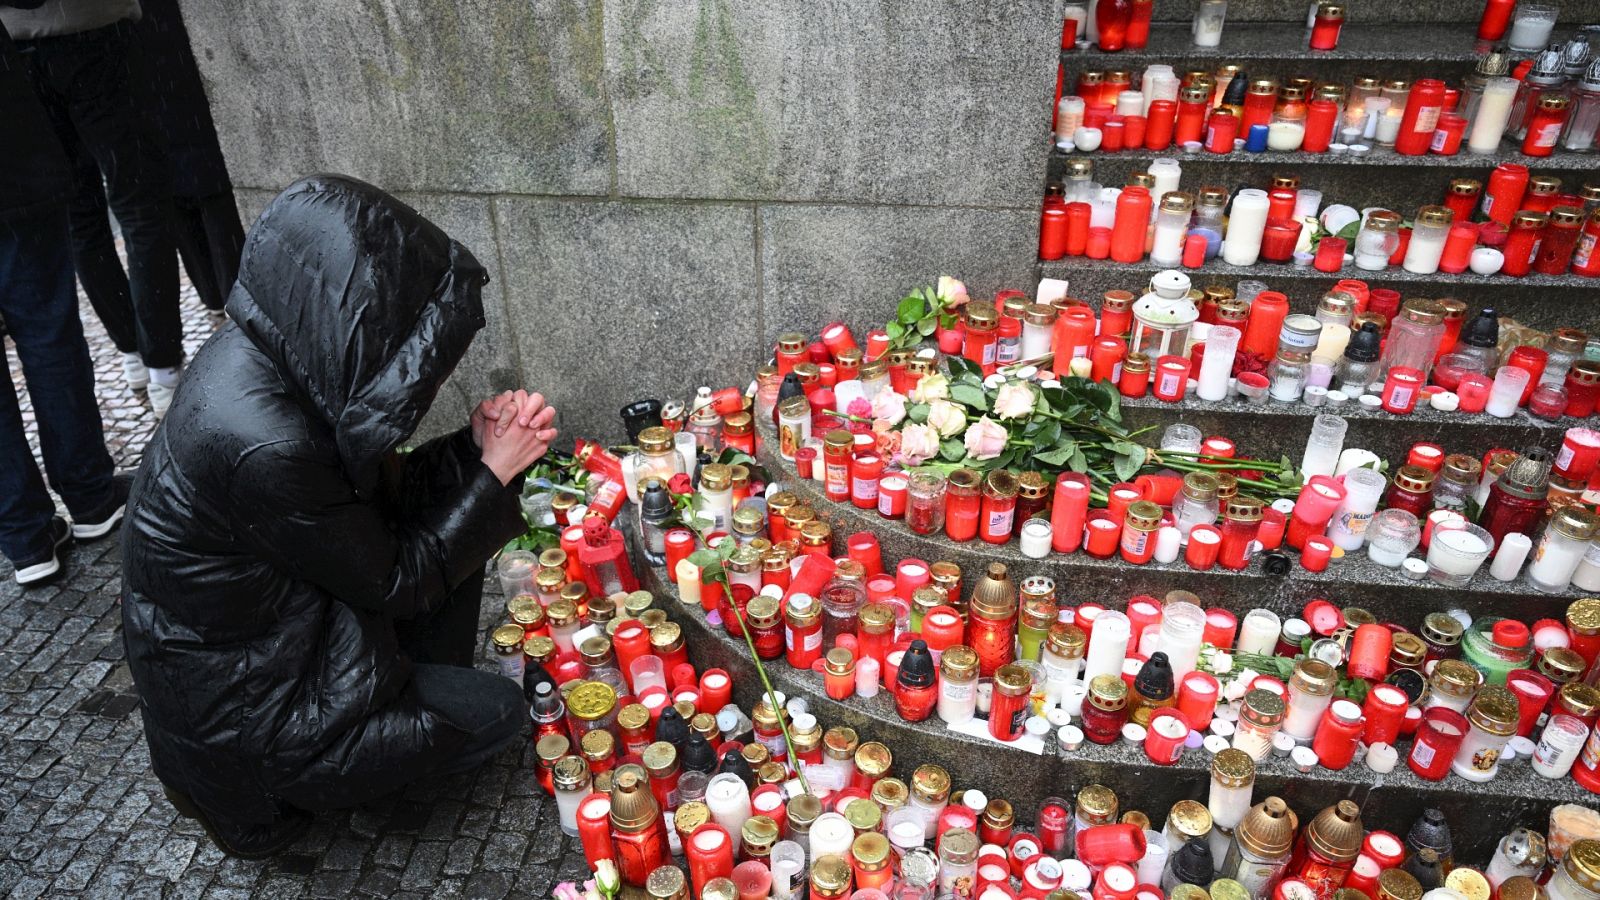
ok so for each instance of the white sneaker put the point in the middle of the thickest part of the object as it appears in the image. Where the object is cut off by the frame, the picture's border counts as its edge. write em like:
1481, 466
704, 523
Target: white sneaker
134, 372
161, 398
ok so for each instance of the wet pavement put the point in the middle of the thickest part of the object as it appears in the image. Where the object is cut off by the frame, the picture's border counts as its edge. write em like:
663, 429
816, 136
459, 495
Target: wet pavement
81, 814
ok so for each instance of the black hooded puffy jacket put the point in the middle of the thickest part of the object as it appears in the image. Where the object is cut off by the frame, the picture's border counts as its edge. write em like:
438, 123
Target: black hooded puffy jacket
273, 536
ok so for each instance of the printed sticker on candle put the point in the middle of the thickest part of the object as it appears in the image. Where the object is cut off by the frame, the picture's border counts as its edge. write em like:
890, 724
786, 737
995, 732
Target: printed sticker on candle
1169, 382
989, 353
1000, 522
1422, 752
865, 490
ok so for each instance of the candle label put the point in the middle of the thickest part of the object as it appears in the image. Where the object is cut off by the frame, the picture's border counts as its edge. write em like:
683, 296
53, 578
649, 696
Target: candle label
1169, 384
1000, 522
1422, 753
865, 489
1400, 397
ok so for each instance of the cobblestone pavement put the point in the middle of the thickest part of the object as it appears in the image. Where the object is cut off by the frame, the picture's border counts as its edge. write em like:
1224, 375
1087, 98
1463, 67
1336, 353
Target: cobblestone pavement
82, 815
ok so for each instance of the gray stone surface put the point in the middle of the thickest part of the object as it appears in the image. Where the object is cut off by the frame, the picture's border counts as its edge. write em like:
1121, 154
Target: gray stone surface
821, 263
475, 96
916, 102
612, 301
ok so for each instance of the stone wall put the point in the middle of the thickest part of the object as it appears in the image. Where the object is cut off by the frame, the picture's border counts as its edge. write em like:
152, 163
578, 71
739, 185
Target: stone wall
658, 187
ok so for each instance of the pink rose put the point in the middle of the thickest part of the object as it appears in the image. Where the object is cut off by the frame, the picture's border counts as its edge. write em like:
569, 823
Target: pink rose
861, 408
888, 441
889, 406
918, 444
985, 439
947, 417
951, 291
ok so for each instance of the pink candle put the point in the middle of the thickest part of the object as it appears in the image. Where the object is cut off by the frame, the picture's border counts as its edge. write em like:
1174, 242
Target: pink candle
1069, 512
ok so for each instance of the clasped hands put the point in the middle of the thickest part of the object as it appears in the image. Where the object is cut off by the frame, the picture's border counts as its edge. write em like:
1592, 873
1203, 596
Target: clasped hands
514, 431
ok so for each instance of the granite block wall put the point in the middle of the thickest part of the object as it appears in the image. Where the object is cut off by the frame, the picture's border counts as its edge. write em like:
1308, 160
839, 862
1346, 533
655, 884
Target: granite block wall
658, 187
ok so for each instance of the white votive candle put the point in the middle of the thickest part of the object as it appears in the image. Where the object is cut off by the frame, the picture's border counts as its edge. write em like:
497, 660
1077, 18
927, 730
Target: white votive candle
1509, 558
1242, 245
1036, 538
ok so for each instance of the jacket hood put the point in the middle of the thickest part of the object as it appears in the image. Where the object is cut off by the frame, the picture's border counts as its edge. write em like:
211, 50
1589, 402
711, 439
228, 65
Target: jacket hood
365, 307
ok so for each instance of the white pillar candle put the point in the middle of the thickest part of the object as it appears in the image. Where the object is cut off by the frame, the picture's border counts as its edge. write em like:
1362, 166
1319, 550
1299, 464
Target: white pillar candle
729, 801
1154, 860
1168, 542
688, 448
788, 860
1587, 578
1362, 490
1506, 394
687, 575
1090, 31
1183, 626
1323, 445
1494, 112
1354, 458
1167, 173
831, 835
1285, 135
1035, 538
1108, 645
1207, 29
1375, 110
1509, 558
1388, 126
1258, 632
1164, 86
1307, 203
1069, 115
1332, 341
1130, 103
1147, 83
1072, 698
1222, 345
1531, 27
1242, 245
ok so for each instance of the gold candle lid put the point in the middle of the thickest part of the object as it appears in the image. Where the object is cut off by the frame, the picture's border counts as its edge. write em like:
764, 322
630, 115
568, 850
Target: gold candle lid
1233, 768
830, 874
507, 639
719, 889
759, 834
930, 784
1228, 889
803, 810
840, 742
1267, 830
1066, 640
1336, 832
871, 851
873, 759
1136, 817
1398, 884
1561, 665
1097, 804
863, 815
667, 883
890, 793
660, 759
1190, 818
552, 747
1580, 699
633, 807
690, 815
591, 700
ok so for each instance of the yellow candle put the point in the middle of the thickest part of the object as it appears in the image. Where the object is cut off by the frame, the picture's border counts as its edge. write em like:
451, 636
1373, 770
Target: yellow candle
688, 577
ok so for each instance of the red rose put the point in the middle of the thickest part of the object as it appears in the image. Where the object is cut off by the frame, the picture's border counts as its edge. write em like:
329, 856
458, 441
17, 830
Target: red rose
680, 484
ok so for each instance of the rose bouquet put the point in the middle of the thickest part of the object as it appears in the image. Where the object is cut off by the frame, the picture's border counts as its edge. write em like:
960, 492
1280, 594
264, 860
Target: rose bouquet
1020, 418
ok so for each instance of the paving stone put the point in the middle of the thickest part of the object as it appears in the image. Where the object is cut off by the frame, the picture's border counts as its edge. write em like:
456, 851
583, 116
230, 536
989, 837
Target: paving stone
172, 859
332, 884
504, 851
462, 856
488, 885
422, 871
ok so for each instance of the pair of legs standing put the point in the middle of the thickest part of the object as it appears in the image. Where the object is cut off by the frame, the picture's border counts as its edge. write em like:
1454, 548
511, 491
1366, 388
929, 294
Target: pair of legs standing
83, 82
40, 306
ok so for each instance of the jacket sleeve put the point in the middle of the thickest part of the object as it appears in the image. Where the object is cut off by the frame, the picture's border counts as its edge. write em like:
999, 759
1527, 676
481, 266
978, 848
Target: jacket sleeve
438, 466
290, 503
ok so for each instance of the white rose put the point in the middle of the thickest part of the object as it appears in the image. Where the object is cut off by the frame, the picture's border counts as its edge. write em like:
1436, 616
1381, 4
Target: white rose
918, 444
1014, 401
930, 388
947, 417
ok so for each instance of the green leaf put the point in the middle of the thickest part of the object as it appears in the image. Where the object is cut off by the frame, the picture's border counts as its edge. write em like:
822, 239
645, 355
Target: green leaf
911, 309
1129, 448
1049, 433
1349, 231
970, 395
927, 325
1059, 455
895, 330
1078, 462
952, 449
705, 558
1127, 465
1005, 458
917, 412
960, 365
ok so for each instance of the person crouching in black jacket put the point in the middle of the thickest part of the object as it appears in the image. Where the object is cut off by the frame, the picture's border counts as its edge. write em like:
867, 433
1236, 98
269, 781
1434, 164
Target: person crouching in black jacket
300, 601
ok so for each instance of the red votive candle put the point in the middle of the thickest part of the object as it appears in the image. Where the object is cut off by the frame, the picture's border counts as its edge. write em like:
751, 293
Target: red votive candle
1369, 652
1270, 534
910, 574
1221, 628
1194, 250
863, 548
1317, 502
1119, 497
716, 690
1204, 543
1400, 390
1171, 378
1330, 254
1318, 551
1383, 713
1438, 738
1197, 698
1099, 243
1103, 535
1533, 692
1068, 511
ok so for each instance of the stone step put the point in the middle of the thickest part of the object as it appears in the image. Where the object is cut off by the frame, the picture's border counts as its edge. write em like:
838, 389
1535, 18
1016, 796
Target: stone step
1352, 581
1480, 813
1380, 177
1373, 15
1541, 301
1283, 426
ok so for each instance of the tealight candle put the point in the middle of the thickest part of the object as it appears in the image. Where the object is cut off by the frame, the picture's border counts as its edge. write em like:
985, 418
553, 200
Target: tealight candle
1036, 536
1381, 758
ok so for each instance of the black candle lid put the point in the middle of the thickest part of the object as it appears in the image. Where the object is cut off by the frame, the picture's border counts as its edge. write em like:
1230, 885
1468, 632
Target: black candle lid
698, 755
734, 762
1363, 346
916, 667
673, 729
1154, 681
1192, 864
1484, 331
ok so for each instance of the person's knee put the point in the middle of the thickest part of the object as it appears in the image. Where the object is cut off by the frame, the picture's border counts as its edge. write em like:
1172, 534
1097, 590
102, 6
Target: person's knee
508, 706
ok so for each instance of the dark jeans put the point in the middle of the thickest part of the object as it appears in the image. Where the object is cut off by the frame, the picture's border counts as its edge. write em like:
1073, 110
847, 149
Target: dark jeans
82, 80
40, 308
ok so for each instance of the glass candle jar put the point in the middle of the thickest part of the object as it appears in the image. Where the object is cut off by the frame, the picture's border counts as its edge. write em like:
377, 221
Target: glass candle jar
1492, 720
1233, 773
1105, 710
992, 620
925, 502
958, 686
962, 505
1310, 691
1377, 240
1260, 716
1456, 551
1241, 520
999, 506
1196, 503
842, 599
1428, 235
1561, 549
1411, 491
1009, 707
1172, 224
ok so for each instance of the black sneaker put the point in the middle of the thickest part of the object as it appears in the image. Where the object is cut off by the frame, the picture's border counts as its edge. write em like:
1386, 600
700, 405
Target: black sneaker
101, 524
39, 569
